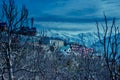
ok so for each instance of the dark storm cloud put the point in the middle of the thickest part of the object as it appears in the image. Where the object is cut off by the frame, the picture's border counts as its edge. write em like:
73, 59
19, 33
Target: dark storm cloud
76, 12
54, 18
64, 28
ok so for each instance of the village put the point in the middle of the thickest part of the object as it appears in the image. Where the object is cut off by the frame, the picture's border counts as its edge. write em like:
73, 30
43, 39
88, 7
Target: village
69, 54
46, 41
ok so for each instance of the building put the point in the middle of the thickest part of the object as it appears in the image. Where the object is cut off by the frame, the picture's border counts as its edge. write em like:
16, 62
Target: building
65, 49
56, 42
74, 46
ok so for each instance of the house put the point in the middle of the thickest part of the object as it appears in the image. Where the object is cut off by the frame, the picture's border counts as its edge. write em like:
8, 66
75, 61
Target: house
65, 49
85, 51
74, 46
56, 42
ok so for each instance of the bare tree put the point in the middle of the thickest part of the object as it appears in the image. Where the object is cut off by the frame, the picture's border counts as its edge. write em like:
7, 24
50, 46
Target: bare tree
110, 45
14, 20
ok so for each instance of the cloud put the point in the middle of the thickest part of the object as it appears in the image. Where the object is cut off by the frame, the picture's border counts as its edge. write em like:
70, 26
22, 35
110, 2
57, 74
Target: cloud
71, 14
73, 5
111, 8
55, 18
86, 12
82, 9
61, 26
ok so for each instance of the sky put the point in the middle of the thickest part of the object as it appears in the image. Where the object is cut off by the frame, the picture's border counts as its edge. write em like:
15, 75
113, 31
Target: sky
71, 15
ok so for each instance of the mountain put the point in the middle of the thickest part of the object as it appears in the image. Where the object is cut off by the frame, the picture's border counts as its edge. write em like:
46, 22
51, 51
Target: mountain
99, 47
86, 39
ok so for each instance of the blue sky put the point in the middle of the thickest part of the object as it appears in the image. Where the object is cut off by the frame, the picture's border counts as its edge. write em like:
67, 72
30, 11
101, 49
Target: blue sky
71, 15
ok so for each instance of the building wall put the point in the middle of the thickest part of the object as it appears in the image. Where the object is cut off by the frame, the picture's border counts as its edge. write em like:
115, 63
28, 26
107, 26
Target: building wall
57, 43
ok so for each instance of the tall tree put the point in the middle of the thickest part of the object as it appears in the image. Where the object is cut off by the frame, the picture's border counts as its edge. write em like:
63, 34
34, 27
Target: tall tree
110, 45
14, 20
